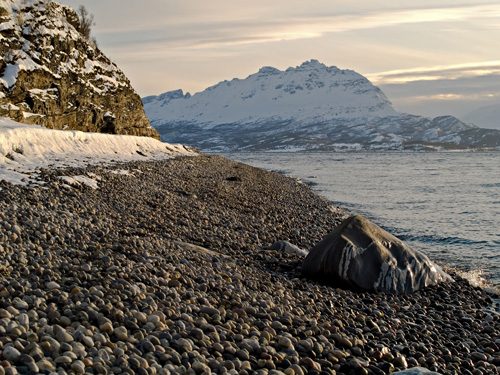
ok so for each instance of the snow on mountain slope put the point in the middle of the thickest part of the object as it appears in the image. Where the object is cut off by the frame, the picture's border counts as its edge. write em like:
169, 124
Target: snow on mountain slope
24, 149
309, 107
309, 91
485, 117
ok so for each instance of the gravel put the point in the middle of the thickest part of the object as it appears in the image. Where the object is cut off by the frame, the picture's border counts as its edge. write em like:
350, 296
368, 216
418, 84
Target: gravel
163, 270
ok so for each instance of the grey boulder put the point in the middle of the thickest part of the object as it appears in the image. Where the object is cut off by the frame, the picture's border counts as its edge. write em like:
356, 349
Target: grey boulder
360, 255
288, 248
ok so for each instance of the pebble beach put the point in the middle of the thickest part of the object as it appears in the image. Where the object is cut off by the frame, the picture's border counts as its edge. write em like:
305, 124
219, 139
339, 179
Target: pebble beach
162, 267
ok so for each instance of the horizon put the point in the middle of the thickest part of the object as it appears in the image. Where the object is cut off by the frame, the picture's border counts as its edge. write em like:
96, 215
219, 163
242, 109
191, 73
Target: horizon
437, 58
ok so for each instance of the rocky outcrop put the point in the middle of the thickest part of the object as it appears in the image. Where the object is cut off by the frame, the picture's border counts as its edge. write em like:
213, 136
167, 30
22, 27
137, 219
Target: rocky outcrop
52, 75
360, 255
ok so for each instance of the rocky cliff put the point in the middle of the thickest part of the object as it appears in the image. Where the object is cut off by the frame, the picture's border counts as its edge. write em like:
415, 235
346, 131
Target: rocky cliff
52, 75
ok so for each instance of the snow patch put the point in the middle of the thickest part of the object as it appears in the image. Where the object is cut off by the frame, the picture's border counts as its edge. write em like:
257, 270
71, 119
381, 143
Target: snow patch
25, 149
80, 179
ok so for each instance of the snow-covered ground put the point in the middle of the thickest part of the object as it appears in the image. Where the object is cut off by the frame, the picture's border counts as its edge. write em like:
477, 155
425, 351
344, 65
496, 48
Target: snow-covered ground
24, 149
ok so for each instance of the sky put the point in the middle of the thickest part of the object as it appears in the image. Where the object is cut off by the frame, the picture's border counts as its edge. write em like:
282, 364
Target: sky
431, 58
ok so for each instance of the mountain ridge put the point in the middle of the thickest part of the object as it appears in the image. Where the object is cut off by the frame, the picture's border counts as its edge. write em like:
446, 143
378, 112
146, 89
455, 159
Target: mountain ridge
485, 117
309, 107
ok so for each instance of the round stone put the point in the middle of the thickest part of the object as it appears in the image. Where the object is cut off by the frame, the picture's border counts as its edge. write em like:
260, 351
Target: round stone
121, 333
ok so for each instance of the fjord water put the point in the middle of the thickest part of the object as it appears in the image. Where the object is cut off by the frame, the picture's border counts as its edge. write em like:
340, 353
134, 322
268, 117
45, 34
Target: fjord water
446, 204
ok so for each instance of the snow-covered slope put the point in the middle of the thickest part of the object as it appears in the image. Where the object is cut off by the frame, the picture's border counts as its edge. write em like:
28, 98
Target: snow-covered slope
309, 91
309, 107
485, 117
24, 149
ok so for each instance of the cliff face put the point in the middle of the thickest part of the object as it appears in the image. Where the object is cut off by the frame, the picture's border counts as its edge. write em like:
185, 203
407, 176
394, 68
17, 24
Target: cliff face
51, 75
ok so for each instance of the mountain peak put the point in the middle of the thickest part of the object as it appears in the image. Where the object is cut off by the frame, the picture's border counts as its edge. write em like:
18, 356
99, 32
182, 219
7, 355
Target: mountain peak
313, 63
309, 107
268, 70
309, 91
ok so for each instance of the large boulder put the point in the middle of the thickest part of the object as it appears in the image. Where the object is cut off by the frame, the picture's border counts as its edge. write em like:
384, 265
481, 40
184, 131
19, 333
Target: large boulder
362, 256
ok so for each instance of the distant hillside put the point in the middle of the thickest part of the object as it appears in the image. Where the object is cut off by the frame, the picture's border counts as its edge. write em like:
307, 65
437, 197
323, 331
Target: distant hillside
52, 75
309, 107
485, 117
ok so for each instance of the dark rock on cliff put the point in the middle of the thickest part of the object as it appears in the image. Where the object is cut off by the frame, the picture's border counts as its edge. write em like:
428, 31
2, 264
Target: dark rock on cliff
51, 75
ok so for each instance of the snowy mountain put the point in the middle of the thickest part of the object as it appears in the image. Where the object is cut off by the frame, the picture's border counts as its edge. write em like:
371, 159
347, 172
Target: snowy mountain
309, 107
485, 117
53, 75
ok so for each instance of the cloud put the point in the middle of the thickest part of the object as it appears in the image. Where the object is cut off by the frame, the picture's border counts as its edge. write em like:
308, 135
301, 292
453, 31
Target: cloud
259, 26
442, 72
457, 90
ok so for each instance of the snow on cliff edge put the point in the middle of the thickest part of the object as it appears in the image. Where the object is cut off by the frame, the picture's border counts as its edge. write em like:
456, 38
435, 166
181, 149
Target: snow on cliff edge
24, 149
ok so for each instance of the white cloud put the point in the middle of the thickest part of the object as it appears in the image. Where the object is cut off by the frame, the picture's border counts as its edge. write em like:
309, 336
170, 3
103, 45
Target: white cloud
434, 73
258, 27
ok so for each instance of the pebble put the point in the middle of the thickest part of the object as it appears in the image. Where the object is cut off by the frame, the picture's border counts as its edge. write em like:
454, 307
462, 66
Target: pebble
45, 365
62, 335
52, 285
121, 333
97, 285
11, 354
285, 342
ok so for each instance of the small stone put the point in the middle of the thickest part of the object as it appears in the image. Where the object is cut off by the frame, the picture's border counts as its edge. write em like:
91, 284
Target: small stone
346, 343
388, 357
62, 335
306, 344
400, 361
185, 344
479, 356
141, 317
297, 369
173, 284
200, 367
78, 367
33, 367
24, 320
5, 314
25, 359
11, 354
197, 333
155, 319
308, 362
88, 341
106, 327
285, 342
51, 285
63, 359
243, 354
209, 310
45, 365
121, 333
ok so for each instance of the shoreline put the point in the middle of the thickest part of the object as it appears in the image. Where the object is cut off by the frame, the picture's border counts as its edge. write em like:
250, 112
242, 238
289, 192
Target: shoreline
95, 281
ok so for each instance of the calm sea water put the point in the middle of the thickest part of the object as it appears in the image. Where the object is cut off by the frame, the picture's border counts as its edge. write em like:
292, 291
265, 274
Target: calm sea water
444, 204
